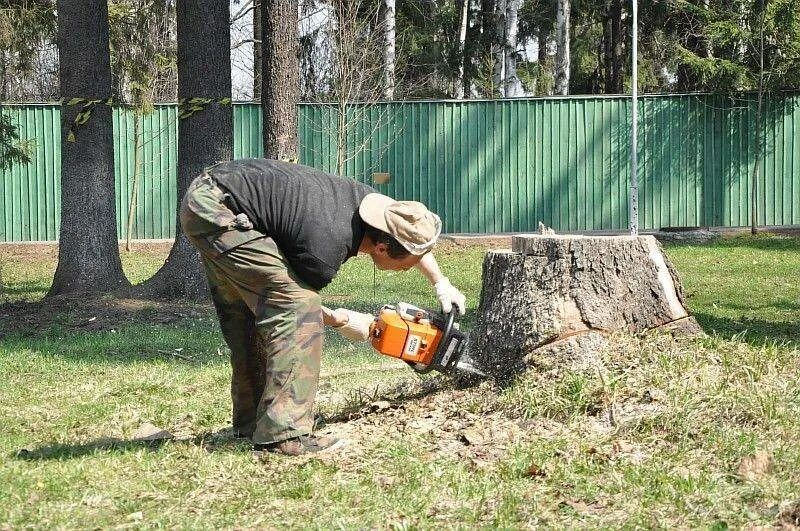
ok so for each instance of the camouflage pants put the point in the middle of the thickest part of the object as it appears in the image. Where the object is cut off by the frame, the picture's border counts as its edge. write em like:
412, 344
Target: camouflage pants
272, 321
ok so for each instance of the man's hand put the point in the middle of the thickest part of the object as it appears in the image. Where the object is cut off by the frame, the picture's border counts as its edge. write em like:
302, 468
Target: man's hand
448, 295
356, 326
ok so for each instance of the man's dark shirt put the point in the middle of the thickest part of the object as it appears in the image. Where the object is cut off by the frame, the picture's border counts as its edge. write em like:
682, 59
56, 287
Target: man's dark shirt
311, 215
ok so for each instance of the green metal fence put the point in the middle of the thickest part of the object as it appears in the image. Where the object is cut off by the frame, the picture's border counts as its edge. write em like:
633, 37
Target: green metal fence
484, 166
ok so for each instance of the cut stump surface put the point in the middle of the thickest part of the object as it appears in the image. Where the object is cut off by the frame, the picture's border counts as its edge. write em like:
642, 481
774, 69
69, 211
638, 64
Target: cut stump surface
550, 289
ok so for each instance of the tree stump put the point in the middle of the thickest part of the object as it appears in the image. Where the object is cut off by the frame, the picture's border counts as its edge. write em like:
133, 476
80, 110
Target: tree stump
562, 295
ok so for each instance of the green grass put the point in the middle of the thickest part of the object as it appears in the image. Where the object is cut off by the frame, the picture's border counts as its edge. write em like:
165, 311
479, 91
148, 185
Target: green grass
685, 414
744, 285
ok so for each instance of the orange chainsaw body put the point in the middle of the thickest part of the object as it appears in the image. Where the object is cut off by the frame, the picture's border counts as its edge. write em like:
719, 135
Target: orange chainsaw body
406, 336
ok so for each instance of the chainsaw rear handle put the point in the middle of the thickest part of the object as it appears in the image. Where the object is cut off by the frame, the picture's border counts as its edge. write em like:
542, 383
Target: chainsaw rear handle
451, 318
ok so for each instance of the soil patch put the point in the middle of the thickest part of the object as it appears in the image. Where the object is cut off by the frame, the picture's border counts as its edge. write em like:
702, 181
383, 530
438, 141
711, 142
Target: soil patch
432, 415
49, 250
95, 313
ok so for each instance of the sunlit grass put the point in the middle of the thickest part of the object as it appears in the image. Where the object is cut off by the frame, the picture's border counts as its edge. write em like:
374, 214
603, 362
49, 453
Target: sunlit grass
685, 414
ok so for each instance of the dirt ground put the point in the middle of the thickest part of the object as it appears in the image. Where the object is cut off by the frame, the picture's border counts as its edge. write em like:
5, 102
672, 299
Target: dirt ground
91, 313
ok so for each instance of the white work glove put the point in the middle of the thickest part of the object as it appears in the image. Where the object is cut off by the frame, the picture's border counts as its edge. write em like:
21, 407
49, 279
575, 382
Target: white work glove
357, 326
448, 295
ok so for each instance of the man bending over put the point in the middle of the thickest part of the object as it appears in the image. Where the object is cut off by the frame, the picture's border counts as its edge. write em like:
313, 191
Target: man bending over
271, 235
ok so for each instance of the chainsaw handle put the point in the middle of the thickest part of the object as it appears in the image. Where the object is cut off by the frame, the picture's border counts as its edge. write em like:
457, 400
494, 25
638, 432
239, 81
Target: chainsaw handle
451, 318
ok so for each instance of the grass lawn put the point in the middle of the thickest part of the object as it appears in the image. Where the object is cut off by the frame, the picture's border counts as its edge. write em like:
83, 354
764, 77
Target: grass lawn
699, 433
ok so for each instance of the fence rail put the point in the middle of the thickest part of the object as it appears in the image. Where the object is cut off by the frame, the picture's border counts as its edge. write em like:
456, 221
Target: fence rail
484, 166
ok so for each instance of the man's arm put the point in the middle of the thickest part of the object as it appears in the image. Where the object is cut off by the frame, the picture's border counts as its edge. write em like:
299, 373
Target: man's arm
447, 294
430, 269
352, 325
334, 318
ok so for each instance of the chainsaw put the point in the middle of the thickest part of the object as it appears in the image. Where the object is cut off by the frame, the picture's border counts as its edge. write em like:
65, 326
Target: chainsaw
424, 339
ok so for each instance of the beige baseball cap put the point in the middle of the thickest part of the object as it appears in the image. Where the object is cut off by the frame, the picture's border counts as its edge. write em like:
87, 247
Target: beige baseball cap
410, 223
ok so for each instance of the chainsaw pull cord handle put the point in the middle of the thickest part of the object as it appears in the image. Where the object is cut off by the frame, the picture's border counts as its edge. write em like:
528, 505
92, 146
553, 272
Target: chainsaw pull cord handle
451, 317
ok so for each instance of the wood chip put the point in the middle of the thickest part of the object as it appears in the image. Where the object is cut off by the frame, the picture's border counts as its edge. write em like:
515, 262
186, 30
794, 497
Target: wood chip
754, 467
149, 432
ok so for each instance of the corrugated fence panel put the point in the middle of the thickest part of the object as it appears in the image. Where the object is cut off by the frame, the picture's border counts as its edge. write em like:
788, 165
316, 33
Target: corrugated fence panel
29, 205
484, 166
156, 191
247, 140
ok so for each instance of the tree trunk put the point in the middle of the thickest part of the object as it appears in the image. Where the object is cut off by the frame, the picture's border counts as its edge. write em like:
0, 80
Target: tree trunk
513, 87
707, 46
560, 296
543, 86
498, 47
759, 124
562, 47
462, 40
389, 49
137, 166
280, 78
257, 64
88, 257
615, 86
204, 138
341, 134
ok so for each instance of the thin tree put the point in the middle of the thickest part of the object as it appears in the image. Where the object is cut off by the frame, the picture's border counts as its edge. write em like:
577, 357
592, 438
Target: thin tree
498, 46
142, 57
759, 111
88, 258
280, 78
463, 23
389, 53
205, 135
562, 69
355, 78
258, 66
511, 83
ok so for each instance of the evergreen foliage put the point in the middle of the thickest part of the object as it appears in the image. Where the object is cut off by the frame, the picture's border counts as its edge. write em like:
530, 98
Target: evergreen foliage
685, 46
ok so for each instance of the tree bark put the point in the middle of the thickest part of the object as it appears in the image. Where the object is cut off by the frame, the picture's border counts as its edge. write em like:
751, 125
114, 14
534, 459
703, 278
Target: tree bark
498, 47
389, 49
280, 78
462, 40
562, 295
512, 87
562, 69
204, 138
88, 257
257, 53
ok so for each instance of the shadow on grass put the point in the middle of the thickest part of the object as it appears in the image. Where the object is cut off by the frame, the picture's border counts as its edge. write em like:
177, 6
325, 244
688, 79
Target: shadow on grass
70, 451
223, 440
763, 242
92, 312
367, 404
754, 331
20, 290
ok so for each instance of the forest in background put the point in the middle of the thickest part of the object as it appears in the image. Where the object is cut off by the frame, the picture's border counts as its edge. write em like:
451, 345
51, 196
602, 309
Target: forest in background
367, 50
